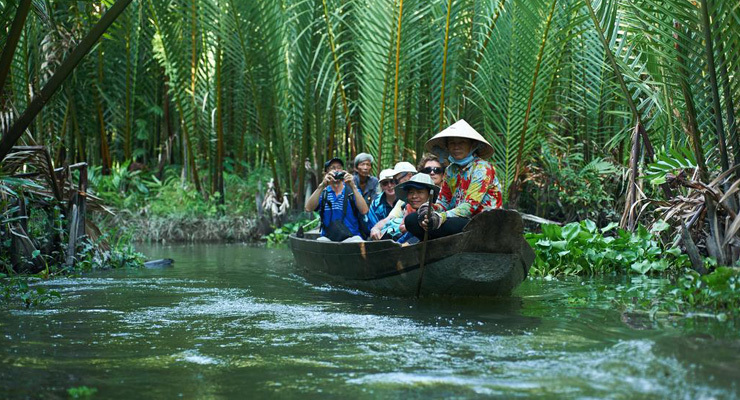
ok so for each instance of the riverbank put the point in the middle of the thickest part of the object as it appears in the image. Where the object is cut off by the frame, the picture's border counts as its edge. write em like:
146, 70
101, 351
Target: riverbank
187, 228
168, 210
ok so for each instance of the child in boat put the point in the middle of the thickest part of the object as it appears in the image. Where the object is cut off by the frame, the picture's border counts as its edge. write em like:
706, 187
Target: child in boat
470, 185
414, 193
340, 204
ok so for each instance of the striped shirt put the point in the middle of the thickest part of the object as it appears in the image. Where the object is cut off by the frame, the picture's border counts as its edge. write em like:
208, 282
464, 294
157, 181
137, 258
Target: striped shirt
335, 209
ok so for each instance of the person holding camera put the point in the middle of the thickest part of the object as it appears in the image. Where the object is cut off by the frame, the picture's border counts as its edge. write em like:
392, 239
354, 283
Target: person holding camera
340, 204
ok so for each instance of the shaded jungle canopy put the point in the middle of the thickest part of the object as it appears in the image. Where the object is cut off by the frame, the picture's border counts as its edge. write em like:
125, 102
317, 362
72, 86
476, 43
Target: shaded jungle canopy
606, 88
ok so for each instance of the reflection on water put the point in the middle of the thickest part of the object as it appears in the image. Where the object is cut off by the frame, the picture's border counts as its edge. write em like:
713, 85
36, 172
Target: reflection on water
233, 320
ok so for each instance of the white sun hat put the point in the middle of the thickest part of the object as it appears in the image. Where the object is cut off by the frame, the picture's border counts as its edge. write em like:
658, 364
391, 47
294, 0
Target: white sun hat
404, 166
460, 129
420, 181
386, 174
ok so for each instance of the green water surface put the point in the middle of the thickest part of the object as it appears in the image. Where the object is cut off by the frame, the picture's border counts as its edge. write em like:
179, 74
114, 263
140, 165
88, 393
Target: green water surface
235, 321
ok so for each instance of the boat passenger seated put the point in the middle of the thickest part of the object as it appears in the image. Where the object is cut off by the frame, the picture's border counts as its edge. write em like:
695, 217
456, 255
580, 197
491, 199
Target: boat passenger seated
366, 183
383, 203
431, 166
470, 185
414, 193
402, 172
339, 203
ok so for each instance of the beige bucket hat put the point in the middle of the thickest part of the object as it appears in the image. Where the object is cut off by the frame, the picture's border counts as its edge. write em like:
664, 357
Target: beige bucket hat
460, 129
419, 181
404, 166
386, 174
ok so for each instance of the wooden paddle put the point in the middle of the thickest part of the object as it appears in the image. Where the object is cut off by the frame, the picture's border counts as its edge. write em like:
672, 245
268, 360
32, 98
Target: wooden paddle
424, 245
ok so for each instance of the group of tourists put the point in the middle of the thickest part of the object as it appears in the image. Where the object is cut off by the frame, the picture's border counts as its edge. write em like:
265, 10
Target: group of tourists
452, 183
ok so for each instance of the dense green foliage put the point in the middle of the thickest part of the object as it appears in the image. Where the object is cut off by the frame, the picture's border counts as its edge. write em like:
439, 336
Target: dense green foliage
564, 187
197, 82
143, 193
582, 248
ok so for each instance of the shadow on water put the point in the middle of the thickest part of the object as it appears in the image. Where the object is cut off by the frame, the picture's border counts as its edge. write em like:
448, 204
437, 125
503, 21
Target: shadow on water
494, 316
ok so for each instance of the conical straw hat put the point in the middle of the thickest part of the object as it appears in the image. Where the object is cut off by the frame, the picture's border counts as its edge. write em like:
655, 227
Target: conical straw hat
460, 129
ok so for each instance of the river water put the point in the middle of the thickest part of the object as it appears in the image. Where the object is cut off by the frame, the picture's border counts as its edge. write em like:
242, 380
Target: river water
235, 321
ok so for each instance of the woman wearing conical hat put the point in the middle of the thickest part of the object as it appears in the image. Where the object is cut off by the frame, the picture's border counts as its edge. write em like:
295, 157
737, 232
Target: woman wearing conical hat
470, 185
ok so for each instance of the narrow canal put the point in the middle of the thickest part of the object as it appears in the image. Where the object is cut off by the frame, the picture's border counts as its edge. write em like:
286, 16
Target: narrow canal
233, 321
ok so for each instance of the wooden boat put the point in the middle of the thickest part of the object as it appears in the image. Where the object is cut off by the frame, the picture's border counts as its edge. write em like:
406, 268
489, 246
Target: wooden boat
488, 258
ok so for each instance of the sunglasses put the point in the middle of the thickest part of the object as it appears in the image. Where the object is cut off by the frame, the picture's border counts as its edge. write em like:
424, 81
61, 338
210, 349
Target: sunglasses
388, 182
436, 170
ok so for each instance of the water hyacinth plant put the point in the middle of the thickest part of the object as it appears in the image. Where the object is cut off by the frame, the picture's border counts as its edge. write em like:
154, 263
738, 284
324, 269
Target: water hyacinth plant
583, 248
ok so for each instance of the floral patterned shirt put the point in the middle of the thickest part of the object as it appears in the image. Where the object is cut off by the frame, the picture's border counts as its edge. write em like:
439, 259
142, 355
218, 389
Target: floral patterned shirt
466, 191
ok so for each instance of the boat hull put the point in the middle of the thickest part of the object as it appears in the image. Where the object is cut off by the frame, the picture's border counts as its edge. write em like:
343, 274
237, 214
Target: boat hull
489, 258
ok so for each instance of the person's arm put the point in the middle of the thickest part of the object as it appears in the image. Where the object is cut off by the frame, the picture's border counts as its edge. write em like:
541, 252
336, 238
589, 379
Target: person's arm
359, 200
396, 212
377, 230
372, 216
313, 201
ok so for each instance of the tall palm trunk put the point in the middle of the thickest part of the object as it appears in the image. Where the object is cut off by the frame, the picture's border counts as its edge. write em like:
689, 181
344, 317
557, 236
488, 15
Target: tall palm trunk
386, 80
714, 85
649, 152
11, 42
127, 113
337, 69
218, 182
397, 77
690, 112
104, 148
444, 67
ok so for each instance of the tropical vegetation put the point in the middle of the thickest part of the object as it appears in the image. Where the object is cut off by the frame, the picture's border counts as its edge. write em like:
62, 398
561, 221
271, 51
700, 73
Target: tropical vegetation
610, 110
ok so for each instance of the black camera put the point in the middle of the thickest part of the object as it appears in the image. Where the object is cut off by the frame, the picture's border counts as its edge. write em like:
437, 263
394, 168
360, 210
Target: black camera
339, 175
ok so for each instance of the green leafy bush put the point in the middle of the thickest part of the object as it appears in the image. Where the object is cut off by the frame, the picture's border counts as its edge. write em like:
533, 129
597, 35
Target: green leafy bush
143, 193
582, 248
122, 254
561, 185
672, 161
